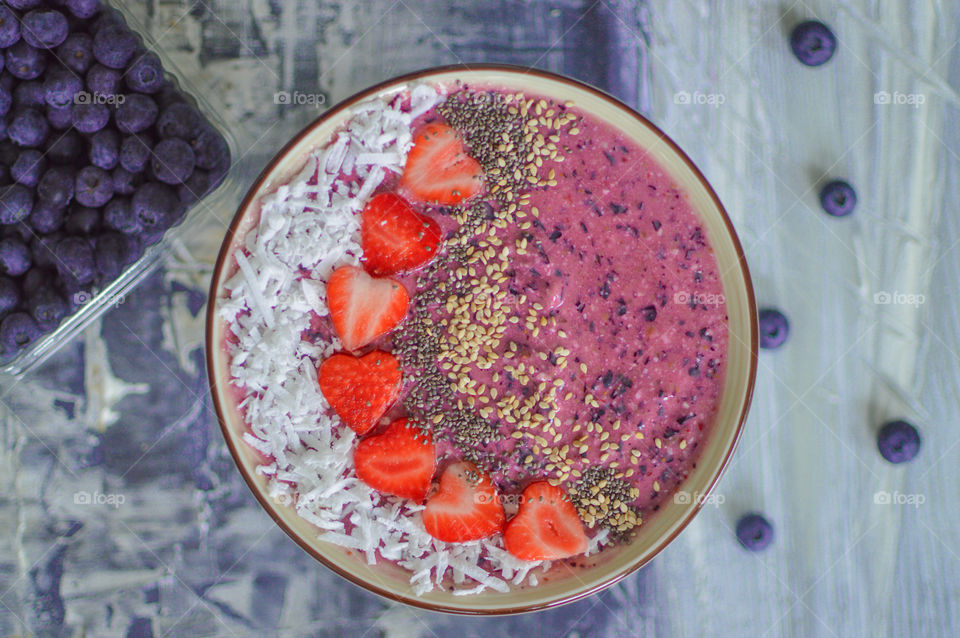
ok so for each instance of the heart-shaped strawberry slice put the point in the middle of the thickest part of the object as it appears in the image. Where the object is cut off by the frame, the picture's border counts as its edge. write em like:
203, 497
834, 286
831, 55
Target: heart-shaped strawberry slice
438, 169
401, 461
395, 238
362, 307
360, 389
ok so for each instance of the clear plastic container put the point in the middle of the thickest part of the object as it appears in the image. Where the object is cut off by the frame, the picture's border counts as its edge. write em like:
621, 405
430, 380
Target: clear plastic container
226, 194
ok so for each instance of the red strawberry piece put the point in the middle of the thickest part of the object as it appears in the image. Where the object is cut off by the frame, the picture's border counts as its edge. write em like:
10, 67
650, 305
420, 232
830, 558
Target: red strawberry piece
395, 237
401, 461
438, 169
465, 508
363, 308
360, 389
546, 526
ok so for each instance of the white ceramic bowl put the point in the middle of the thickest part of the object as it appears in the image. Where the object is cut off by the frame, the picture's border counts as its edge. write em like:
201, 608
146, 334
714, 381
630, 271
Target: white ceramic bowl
563, 584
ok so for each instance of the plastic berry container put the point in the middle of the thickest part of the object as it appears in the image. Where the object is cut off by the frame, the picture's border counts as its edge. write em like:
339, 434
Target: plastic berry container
89, 304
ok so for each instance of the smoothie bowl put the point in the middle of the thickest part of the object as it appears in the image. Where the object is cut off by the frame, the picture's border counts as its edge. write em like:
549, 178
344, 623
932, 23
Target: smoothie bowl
481, 340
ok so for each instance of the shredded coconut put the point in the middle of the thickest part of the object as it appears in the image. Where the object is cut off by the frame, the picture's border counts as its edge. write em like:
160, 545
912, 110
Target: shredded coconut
307, 228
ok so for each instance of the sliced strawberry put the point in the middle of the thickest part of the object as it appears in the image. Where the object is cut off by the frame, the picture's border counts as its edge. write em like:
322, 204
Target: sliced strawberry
546, 527
465, 508
363, 308
438, 169
395, 237
360, 389
401, 461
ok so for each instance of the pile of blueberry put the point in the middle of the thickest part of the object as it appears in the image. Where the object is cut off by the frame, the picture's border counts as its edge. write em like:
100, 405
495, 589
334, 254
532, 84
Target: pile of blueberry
100, 154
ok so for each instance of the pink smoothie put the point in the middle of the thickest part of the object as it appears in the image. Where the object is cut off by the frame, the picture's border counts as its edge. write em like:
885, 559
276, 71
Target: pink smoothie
617, 269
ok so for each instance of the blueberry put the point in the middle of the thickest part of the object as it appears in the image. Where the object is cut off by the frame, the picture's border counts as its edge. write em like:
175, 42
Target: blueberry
125, 182
179, 120
135, 153
108, 17
774, 328
145, 75
9, 152
60, 86
133, 250
813, 43
136, 113
9, 295
105, 149
84, 9
75, 261
838, 198
28, 168
94, 188
14, 257
173, 161
60, 119
17, 331
65, 148
28, 127
24, 61
82, 220
113, 253
44, 29
42, 251
168, 95
898, 441
103, 81
754, 532
35, 278
47, 307
156, 206
46, 217
118, 214
29, 93
9, 27
24, 5
56, 186
114, 46
20, 231
194, 188
76, 52
16, 202
90, 117
210, 148
6, 101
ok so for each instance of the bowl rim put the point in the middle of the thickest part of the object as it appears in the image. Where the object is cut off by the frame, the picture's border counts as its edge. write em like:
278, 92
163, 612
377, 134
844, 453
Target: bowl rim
212, 318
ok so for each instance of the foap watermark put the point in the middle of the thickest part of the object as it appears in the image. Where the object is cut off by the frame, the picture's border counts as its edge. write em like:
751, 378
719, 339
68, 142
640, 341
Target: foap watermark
883, 98
895, 298
699, 299
481, 498
98, 498
699, 98
83, 97
683, 497
83, 297
299, 98
898, 498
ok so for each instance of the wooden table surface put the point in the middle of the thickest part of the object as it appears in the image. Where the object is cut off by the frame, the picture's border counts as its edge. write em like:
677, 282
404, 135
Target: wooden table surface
862, 547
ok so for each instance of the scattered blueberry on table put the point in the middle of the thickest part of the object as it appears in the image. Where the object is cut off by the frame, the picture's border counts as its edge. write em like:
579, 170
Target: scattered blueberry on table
774, 328
898, 441
813, 43
754, 532
838, 198
100, 154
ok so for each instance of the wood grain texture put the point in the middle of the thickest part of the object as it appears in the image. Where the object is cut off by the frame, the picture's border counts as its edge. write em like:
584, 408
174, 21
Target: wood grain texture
123, 411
